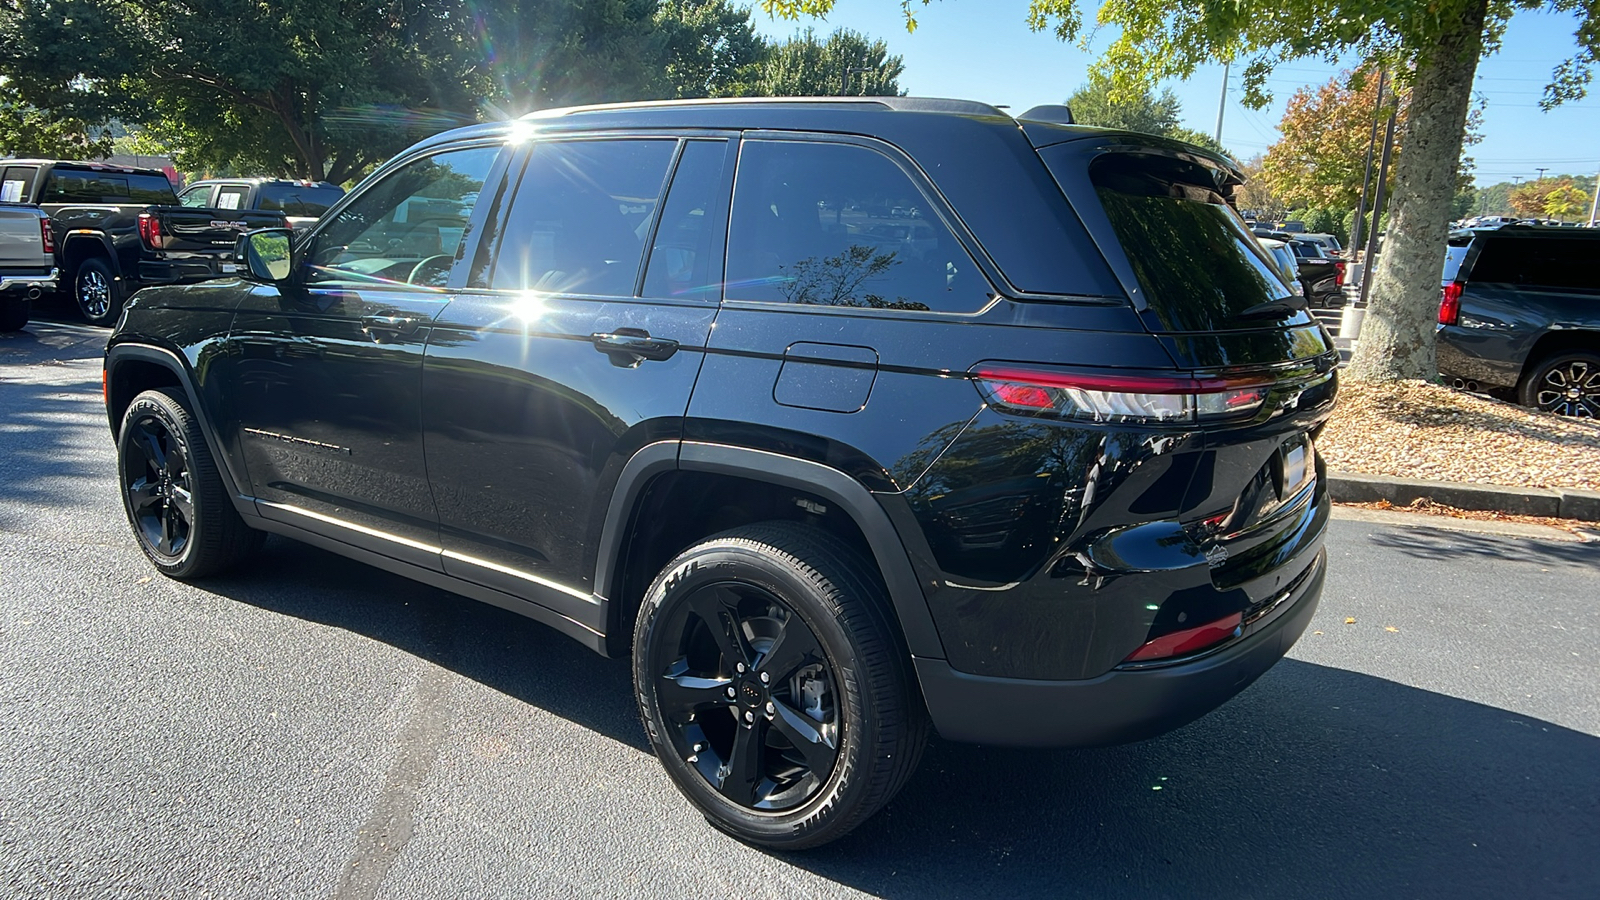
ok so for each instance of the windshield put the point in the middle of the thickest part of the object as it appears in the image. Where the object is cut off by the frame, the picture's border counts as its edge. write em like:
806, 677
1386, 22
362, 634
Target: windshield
1196, 261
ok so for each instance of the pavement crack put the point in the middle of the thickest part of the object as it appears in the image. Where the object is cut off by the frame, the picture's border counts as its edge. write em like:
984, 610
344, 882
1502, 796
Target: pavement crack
387, 830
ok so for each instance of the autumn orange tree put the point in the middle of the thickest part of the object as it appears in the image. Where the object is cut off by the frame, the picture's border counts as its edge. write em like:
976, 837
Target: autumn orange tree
1556, 198
1432, 46
1321, 158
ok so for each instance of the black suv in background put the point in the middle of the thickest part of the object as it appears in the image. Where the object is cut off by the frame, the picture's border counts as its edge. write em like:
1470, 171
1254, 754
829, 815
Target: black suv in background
840, 418
1520, 314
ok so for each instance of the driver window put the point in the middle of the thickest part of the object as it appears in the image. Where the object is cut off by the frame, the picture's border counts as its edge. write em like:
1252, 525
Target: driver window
407, 228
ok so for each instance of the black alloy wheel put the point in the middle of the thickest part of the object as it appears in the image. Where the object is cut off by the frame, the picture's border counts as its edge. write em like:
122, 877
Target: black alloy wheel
748, 696
774, 689
172, 492
160, 493
1566, 385
95, 289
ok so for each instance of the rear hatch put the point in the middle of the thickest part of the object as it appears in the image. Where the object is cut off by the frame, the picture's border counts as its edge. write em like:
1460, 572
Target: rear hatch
1216, 300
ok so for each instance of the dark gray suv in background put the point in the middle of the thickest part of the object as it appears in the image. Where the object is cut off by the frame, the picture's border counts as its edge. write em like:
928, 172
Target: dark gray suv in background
841, 418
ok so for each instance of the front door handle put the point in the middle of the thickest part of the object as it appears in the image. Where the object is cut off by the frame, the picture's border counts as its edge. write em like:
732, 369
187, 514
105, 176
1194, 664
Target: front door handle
391, 323
627, 347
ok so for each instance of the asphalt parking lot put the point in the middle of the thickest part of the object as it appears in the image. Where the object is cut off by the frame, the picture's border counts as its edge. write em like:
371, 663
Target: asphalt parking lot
314, 728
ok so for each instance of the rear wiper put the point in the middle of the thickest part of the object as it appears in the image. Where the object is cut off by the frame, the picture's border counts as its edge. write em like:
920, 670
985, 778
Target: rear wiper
1272, 309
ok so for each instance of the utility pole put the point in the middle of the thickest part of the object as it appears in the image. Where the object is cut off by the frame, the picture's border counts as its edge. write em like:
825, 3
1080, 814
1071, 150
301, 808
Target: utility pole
851, 70
1366, 175
1541, 170
1596, 202
1222, 104
1370, 260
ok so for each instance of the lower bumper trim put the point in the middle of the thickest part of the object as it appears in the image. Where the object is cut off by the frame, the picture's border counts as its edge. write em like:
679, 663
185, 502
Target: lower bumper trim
1118, 707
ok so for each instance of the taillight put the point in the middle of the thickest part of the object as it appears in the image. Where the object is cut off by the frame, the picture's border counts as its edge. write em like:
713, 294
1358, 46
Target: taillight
1338, 274
1100, 397
45, 237
1450, 303
1190, 640
150, 231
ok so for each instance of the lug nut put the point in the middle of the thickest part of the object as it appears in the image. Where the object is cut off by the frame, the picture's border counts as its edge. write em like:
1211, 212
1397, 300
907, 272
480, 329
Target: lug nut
765, 678
739, 667
732, 693
749, 716
770, 708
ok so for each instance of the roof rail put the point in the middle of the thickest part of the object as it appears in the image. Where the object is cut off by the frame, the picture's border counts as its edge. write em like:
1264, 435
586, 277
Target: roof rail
900, 104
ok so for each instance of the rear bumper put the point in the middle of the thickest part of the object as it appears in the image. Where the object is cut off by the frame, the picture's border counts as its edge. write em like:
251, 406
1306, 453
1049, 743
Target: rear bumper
22, 284
1122, 705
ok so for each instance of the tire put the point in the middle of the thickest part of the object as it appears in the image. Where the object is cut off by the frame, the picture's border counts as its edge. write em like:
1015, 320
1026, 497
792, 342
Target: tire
13, 314
173, 494
96, 291
806, 758
1567, 384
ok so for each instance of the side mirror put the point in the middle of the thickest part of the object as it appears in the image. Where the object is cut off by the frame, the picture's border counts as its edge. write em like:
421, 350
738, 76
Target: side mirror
266, 254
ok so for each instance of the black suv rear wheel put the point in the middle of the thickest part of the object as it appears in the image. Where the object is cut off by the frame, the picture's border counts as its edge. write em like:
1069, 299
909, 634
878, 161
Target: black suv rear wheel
773, 688
1567, 384
172, 492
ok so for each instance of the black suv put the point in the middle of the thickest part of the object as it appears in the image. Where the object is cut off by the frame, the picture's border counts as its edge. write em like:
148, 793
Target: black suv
840, 417
1520, 315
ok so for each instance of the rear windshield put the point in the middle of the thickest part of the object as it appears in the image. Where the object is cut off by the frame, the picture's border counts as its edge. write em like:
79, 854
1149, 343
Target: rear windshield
88, 186
1195, 259
1562, 263
309, 201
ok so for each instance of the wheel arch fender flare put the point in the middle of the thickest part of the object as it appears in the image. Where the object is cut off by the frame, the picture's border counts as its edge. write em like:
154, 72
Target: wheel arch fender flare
98, 243
117, 354
910, 605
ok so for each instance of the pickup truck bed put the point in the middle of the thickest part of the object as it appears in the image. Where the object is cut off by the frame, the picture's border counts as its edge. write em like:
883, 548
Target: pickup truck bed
27, 262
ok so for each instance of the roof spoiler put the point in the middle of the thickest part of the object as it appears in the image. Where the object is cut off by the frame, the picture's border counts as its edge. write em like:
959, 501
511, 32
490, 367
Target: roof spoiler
1050, 114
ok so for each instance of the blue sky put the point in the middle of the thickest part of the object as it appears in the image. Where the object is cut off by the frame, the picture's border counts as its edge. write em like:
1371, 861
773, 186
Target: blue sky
983, 50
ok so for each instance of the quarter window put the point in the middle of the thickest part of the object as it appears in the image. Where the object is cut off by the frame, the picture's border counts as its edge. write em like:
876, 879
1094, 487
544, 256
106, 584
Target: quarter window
833, 224
581, 216
685, 258
408, 228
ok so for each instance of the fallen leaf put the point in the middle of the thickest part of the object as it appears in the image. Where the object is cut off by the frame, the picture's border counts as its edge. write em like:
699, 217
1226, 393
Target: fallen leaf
1351, 620
1316, 632
144, 580
1391, 628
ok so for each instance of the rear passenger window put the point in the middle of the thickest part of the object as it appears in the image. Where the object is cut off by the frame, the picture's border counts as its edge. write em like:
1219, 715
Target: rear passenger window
231, 197
1562, 263
831, 224
581, 216
685, 258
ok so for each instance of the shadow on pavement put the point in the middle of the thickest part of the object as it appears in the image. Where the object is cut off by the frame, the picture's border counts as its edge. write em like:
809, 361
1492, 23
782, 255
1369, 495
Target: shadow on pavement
1446, 545
1316, 782
53, 439
499, 649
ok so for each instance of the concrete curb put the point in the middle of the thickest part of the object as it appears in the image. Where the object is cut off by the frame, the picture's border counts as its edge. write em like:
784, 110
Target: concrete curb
1349, 487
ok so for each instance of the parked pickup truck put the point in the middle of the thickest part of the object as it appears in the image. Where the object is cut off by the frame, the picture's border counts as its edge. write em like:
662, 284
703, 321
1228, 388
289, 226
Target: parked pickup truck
27, 262
1321, 277
117, 229
302, 201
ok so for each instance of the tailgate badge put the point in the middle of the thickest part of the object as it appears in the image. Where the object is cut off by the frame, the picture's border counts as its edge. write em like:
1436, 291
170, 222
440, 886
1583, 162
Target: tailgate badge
238, 226
1216, 555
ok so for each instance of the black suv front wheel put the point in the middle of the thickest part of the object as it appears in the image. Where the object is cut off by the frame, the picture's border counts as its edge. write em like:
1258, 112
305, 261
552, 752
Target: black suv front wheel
773, 687
172, 492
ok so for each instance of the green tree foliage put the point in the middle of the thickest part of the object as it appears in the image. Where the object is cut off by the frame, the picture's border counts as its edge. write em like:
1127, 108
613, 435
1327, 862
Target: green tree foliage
1433, 46
1098, 103
1567, 203
845, 63
326, 90
27, 131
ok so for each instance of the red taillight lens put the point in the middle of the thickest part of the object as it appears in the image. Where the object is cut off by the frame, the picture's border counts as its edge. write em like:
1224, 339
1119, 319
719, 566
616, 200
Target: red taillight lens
1190, 640
45, 237
1338, 274
1450, 303
1099, 397
150, 231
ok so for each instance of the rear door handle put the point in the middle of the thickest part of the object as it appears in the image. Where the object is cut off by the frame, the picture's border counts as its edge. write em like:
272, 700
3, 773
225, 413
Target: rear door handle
627, 347
391, 323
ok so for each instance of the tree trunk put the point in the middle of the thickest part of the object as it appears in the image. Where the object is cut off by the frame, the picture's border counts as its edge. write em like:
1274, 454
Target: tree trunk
1397, 335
